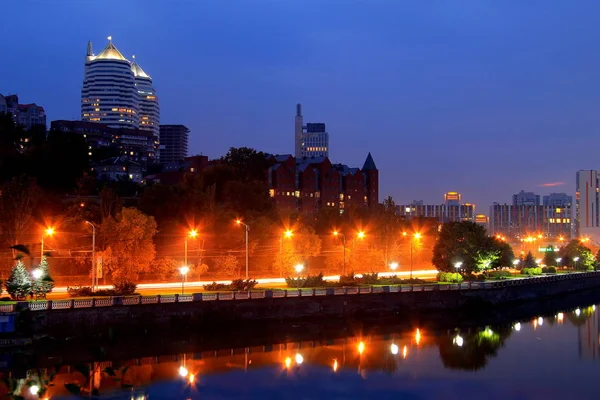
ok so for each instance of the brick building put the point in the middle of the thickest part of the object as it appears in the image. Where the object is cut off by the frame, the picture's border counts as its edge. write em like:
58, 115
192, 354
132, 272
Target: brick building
307, 185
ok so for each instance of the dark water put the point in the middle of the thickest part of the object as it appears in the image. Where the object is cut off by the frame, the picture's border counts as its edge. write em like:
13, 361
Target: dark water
555, 356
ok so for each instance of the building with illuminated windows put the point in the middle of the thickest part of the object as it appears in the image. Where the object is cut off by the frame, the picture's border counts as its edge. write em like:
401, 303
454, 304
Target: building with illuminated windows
117, 92
26, 115
453, 210
310, 140
587, 204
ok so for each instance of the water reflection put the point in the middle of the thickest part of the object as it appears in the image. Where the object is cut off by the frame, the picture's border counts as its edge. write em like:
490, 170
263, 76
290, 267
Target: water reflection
416, 352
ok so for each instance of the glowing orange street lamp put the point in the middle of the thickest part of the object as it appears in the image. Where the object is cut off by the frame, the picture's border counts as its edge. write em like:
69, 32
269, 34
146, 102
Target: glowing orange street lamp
416, 236
343, 237
247, 227
191, 234
47, 232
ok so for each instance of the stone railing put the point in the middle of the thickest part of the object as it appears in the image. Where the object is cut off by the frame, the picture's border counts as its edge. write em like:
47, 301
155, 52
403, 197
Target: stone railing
284, 293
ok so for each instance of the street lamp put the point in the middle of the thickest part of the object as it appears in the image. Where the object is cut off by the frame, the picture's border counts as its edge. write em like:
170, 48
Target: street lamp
239, 222
47, 232
359, 235
287, 234
558, 260
298, 268
94, 278
457, 265
343, 238
393, 266
576, 259
191, 234
416, 236
183, 271
37, 273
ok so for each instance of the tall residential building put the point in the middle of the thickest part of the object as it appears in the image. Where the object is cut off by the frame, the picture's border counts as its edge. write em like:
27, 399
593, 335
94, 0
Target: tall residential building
149, 111
521, 221
173, 143
27, 115
117, 92
587, 202
524, 198
451, 211
452, 198
558, 200
310, 140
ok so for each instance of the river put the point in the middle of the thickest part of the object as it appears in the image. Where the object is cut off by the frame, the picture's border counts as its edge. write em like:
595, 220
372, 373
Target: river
551, 356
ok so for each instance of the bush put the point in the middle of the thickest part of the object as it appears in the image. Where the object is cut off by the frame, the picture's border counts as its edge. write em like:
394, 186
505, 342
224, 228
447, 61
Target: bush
369, 279
309, 281
79, 291
549, 270
240, 285
124, 288
18, 284
499, 274
531, 271
104, 292
348, 280
215, 286
452, 277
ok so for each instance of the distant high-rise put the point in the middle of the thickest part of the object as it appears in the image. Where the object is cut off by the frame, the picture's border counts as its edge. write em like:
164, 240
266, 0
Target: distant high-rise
587, 202
117, 92
524, 198
452, 198
311, 140
558, 200
173, 143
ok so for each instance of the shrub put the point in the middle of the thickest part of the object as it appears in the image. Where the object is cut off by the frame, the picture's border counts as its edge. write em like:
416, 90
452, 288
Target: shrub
309, 281
124, 288
452, 277
18, 284
549, 270
79, 291
531, 271
240, 285
499, 274
215, 286
369, 279
348, 280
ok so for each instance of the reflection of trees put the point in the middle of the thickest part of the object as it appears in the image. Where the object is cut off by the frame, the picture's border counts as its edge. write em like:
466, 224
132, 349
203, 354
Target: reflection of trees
584, 314
477, 347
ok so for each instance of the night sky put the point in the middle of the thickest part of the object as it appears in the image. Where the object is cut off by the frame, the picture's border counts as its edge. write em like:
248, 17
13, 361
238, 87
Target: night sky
485, 97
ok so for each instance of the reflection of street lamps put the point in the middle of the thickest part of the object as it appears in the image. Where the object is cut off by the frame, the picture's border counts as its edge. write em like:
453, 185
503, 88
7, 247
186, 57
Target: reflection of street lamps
183, 270
298, 268
191, 234
239, 222
416, 236
49, 232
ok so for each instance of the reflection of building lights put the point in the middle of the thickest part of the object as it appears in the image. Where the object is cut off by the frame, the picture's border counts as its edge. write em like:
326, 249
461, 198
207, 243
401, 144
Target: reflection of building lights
34, 389
458, 340
192, 378
288, 362
517, 326
560, 317
394, 349
361, 347
418, 336
183, 371
404, 352
540, 321
335, 365
578, 312
299, 358
535, 324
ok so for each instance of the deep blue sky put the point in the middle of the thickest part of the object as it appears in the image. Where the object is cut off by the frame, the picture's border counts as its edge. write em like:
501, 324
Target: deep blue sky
485, 97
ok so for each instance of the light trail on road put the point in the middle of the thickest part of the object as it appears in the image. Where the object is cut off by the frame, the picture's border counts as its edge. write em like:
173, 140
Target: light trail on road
428, 273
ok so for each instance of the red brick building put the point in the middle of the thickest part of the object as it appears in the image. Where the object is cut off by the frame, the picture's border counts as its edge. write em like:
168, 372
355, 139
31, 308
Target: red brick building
309, 184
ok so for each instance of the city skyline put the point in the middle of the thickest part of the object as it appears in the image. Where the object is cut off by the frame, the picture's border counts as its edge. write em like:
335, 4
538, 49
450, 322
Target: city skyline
517, 103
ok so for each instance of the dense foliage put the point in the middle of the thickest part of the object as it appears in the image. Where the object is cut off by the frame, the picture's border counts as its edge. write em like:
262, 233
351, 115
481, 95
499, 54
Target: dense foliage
18, 284
452, 277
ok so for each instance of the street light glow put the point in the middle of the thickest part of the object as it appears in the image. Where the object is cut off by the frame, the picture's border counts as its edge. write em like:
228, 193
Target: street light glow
49, 231
37, 273
458, 340
299, 268
184, 270
394, 349
516, 262
393, 265
183, 371
299, 358
288, 233
576, 259
360, 235
361, 347
417, 235
34, 389
193, 233
458, 264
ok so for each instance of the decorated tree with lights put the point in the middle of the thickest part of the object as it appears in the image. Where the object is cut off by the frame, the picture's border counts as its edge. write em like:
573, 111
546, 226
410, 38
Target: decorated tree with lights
18, 284
41, 282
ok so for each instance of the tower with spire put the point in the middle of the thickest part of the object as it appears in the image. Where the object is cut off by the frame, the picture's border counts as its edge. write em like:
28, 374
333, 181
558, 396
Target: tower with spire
371, 175
149, 110
310, 140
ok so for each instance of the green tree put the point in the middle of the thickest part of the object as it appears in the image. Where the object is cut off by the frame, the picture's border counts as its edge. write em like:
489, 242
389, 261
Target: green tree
529, 261
129, 250
486, 259
464, 242
575, 249
506, 255
550, 257
18, 284
42, 284
227, 265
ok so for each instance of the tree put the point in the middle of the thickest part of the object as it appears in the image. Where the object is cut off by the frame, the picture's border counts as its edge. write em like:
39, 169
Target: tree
227, 265
486, 259
18, 284
165, 268
285, 260
306, 244
129, 250
550, 257
43, 284
575, 249
18, 204
529, 261
506, 255
461, 242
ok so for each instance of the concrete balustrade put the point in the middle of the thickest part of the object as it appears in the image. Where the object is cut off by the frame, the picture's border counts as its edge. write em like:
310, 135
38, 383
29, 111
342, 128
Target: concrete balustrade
282, 293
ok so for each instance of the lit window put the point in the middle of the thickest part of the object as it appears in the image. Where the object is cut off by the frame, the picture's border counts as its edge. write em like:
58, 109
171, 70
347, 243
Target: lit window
271, 192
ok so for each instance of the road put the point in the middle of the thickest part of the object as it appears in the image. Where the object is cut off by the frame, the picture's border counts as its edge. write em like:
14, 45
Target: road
148, 289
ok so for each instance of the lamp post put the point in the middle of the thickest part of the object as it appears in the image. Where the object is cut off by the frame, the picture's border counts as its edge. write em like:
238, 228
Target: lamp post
183, 270
49, 232
393, 265
558, 260
288, 235
298, 268
191, 234
343, 238
247, 228
94, 283
359, 235
515, 263
576, 259
415, 236
457, 265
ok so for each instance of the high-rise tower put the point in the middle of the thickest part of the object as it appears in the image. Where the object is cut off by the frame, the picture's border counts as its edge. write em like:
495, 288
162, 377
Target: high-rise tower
298, 130
149, 110
109, 94
311, 140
